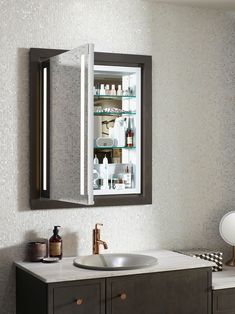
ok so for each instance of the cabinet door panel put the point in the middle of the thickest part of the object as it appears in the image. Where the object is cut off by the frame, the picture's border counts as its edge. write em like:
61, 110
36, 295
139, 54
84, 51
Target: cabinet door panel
82, 299
71, 125
180, 292
224, 301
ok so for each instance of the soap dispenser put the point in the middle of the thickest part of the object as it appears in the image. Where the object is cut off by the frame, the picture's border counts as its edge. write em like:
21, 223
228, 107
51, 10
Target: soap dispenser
55, 244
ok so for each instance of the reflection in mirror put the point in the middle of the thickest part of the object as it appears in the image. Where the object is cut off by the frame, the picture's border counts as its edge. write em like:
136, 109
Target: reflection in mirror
227, 232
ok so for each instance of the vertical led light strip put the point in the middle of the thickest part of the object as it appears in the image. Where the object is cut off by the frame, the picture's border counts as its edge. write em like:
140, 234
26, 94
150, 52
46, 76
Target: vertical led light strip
82, 125
44, 161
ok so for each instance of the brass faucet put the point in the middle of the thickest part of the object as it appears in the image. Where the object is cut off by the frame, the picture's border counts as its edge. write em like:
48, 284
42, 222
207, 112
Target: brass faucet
97, 241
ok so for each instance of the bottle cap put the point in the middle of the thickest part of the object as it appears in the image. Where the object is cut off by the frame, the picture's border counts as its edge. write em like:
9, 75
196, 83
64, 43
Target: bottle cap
56, 230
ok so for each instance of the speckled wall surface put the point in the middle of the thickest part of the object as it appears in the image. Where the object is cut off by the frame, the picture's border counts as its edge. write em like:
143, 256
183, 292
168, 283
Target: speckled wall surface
193, 134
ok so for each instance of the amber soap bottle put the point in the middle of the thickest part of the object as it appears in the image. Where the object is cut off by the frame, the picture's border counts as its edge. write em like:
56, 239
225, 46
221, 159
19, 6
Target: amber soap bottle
55, 244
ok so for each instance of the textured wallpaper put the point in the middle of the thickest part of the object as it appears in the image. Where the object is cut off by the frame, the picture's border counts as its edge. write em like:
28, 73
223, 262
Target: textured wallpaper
193, 131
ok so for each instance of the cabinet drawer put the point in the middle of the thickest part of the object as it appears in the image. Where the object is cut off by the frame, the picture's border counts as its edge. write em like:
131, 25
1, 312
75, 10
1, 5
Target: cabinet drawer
84, 298
178, 292
224, 301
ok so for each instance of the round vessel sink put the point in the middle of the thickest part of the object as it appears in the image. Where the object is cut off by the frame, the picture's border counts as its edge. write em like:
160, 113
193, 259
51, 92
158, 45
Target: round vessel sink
117, 261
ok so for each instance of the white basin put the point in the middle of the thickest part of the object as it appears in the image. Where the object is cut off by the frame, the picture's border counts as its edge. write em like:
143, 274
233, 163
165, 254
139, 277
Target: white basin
116, 261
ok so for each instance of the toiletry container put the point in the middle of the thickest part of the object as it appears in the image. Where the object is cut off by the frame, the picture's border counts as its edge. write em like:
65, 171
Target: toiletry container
127, 178
113, 90
96, 160
107, 90
119, 91
105, 174
55, 244
102, 90
119, 131
36, 251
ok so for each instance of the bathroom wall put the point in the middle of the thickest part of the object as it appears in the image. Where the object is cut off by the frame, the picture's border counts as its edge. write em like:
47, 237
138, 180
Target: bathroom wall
193, 130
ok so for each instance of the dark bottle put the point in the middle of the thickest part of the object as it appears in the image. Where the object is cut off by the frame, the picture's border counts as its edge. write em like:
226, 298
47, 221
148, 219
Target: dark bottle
55, 244
129, 135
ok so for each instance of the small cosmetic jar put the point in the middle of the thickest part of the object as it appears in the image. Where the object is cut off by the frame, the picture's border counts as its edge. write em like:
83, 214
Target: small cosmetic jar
36, 251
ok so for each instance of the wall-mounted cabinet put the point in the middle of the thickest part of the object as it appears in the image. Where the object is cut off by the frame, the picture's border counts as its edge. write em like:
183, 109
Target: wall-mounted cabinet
91, 133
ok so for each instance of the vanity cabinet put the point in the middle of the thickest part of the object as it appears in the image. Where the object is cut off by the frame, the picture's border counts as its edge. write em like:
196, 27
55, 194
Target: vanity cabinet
172, 292
177, 292
91, 129
34, 296
224, 301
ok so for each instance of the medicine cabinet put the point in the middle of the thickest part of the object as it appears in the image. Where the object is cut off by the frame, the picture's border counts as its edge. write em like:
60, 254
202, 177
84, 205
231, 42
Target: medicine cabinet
90, 128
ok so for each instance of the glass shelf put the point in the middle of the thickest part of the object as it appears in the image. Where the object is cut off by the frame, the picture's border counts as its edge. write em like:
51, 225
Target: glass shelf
114, 97
114, 147
114, 113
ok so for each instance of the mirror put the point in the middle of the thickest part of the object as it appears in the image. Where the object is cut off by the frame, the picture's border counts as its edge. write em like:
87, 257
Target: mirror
61, 123
71, 126
227, 232
63, 108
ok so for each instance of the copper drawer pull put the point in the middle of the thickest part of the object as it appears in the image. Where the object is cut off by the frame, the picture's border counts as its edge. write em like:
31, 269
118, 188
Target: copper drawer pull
123, 296
78, 301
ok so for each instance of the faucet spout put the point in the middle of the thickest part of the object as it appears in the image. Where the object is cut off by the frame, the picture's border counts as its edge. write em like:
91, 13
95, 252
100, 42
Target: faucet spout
105, 245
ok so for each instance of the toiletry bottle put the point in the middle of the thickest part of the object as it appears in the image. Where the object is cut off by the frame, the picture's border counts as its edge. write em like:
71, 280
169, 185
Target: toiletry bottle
105, 160
119, 91
96, 160
105, 185
102, 90
129, 135
127, 178
55, 244
113, 91
107, 90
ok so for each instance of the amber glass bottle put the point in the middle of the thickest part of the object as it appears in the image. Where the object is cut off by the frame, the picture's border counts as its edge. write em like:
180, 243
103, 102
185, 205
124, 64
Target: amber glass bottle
55, 244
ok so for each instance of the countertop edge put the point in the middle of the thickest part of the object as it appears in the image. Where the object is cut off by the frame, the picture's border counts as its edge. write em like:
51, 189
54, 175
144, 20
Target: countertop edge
180, 262
113, 274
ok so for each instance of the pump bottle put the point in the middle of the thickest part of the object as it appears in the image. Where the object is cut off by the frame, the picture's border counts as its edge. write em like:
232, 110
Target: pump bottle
55, 244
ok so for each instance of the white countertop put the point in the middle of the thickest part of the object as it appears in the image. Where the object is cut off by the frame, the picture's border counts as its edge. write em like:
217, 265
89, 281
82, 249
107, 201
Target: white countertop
224, 279
66, 271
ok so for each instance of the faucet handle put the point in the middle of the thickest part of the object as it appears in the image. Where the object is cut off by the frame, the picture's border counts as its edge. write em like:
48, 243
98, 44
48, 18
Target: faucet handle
98, 224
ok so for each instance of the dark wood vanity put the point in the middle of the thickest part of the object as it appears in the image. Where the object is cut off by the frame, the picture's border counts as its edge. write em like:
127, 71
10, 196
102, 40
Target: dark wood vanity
224, 301
171, 292
223, 293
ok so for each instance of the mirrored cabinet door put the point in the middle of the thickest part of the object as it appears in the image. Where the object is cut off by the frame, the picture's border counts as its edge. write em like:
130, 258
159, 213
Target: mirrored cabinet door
71, 125
91, 132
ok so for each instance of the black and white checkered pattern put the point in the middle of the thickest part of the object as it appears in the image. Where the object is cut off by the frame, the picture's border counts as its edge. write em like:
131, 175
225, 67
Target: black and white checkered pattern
208, 255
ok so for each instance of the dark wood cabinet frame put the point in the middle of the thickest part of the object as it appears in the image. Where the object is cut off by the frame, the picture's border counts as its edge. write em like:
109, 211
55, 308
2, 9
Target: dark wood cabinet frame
38, 200
173, 292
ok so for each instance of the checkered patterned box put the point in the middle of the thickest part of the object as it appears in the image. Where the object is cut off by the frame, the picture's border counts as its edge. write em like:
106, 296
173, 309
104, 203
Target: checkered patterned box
208, 255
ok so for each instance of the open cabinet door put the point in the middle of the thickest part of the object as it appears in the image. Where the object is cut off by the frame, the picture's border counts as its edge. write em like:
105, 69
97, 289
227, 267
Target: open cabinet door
70, 95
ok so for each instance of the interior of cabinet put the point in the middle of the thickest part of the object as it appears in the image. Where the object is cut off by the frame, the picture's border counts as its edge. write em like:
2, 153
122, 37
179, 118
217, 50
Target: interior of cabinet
117, 109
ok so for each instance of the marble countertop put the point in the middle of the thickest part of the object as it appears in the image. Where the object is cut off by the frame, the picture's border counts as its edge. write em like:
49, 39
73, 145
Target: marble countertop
224, 279
66, 271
